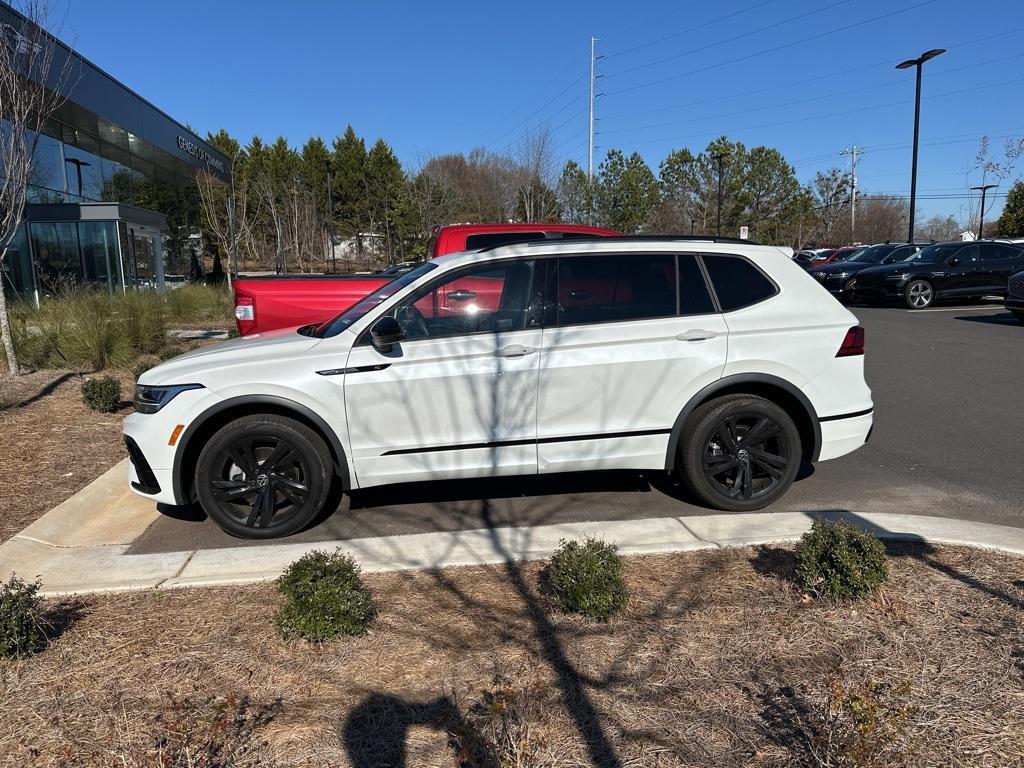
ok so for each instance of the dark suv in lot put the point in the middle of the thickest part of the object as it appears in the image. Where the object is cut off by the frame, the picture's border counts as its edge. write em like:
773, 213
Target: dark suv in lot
942, 271
836, 276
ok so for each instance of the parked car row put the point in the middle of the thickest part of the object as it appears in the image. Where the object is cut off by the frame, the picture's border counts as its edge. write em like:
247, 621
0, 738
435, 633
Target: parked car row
917, 275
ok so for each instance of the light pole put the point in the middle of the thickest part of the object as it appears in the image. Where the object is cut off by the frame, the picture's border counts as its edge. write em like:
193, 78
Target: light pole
692, 223
719, 158
981, 212
917, 125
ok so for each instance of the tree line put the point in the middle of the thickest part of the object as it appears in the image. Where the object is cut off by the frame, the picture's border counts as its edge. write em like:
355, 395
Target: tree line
344, 204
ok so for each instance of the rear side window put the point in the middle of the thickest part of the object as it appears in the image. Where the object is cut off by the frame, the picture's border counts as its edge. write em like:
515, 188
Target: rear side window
737, 282
999, 252
616, 287
694, 298
492, 239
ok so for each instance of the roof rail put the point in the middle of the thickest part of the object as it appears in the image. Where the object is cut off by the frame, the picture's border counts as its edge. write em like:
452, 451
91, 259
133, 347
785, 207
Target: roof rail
630, 239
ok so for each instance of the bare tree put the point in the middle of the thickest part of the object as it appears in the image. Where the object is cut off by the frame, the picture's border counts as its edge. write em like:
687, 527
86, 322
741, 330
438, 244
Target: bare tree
217, 200
31, 88
992, 171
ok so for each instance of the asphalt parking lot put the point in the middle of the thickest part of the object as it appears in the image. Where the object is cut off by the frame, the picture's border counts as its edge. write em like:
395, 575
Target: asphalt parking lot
948, 441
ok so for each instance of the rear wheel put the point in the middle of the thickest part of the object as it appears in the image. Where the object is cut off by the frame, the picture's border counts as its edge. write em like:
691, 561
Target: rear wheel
740, 452
919, 294
263, 476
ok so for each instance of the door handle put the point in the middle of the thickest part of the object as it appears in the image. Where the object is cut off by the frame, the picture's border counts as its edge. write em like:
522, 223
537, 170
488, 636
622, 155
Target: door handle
696, 335
515, 350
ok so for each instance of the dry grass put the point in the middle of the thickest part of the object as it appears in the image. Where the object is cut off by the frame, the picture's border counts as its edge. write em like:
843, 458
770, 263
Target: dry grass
51, 444
717, 660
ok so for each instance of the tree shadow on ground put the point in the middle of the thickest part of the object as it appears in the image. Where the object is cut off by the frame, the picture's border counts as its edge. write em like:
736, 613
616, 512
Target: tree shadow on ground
62, 616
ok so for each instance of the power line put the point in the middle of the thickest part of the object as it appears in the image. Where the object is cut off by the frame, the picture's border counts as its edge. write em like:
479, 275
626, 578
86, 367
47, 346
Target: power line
706, 24
821, 116
774, 49
732, 39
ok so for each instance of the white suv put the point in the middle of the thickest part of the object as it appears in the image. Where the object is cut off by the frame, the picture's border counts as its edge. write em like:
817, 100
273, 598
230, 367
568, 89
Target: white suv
717, 359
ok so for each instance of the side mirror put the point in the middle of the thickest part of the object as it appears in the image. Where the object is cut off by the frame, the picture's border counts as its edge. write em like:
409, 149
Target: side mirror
385, 333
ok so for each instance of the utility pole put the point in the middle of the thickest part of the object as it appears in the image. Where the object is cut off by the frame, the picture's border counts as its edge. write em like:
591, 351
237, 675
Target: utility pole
852, 152
590, 132
981, 211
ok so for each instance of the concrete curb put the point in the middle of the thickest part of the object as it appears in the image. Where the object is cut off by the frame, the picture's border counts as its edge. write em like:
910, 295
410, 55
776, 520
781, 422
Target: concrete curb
106, 568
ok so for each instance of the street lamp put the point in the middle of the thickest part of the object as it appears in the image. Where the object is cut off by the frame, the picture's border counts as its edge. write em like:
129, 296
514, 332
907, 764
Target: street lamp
981, 213
719, 157
917, 125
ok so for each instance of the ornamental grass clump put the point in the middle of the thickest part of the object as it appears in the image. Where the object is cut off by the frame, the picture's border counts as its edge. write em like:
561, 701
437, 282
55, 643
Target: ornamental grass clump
586, 578
839, 561
324, 598
22, 621
102, 394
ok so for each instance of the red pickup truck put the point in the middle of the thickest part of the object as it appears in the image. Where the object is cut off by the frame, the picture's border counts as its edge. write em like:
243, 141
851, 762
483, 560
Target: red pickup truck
283, 301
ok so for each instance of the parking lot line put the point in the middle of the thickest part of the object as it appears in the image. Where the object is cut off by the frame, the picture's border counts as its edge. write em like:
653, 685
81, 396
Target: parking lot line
954, 309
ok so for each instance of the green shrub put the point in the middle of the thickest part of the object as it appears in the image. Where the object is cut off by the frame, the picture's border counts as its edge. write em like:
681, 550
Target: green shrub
233, 332
143, 364
839, 561
587, 578
324, 598
22, 621
103, 394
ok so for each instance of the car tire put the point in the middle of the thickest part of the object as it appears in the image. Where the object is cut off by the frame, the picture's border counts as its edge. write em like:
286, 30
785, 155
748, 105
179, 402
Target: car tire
919, 294
726, 474
263, 476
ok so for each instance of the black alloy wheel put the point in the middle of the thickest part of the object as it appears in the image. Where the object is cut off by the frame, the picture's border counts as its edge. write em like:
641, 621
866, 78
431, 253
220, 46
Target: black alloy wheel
740, 452
263, 476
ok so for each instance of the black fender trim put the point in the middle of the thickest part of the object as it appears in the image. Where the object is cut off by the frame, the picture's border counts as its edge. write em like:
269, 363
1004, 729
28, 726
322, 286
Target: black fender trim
730, 382
256, 400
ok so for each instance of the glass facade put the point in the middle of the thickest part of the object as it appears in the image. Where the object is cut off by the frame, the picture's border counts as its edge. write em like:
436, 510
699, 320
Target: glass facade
112, 199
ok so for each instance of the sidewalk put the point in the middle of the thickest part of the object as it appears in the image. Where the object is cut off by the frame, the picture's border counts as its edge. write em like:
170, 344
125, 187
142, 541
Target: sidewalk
80, 546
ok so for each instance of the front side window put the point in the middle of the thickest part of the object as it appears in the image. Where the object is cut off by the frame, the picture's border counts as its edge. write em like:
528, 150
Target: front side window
615, 288
491, 298
737, 282
342, 321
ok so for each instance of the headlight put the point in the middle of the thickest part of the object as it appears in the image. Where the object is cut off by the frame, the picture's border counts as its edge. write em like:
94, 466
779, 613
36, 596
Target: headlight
899, 277
819, 275
150, 399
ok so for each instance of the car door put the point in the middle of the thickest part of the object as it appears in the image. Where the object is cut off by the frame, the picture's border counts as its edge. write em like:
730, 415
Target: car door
961, 273
629, 338
997, 264
457, 397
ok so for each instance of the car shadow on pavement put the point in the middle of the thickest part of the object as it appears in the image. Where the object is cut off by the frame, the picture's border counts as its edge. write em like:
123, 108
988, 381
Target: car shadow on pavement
1003, 318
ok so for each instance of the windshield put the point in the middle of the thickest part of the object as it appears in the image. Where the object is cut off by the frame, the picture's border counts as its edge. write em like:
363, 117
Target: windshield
873, 255
850, 255
365, 304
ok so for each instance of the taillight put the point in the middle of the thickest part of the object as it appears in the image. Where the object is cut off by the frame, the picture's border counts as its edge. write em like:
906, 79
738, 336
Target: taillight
853, 344
245, 314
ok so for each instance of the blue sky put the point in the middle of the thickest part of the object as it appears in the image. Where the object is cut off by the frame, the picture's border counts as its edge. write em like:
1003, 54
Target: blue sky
809, 77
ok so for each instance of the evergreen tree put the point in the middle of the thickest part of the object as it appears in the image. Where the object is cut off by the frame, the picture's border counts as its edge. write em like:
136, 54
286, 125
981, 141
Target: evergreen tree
387, 198
1011, 222
348, 183
314, 164
575, 194
626, 192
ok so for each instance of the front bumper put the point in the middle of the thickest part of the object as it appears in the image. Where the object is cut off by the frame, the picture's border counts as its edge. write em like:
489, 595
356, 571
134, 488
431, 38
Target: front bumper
888, 290
1015, 304
150, 452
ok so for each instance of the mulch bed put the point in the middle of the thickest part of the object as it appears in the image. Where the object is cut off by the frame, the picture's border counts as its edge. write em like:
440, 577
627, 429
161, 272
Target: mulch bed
717, 660
51, 444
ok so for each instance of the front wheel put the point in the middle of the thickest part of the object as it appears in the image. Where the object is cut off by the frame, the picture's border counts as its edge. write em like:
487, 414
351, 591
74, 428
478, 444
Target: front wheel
740, 452
263, 476
919, 294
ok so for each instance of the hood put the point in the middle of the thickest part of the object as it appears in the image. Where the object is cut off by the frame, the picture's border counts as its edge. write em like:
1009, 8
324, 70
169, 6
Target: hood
835, 267
271, 347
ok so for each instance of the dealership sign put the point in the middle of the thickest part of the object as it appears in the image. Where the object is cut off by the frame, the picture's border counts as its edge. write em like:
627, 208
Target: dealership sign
189, 146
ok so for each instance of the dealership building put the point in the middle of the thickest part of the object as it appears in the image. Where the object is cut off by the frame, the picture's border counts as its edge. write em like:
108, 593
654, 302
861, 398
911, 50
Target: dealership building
113, 200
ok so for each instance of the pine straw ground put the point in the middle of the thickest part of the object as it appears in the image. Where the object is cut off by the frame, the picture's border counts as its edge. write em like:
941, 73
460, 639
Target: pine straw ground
51, 444
717, 660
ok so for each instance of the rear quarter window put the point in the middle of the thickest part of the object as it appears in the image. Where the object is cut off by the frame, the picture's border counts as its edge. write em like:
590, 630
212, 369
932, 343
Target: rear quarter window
737, 282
